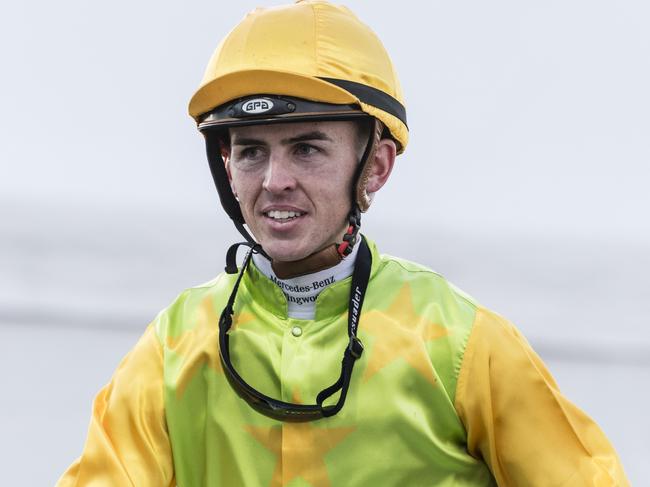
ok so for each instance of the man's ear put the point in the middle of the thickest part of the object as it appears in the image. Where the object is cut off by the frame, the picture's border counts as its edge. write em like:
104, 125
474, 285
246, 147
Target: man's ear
381, 166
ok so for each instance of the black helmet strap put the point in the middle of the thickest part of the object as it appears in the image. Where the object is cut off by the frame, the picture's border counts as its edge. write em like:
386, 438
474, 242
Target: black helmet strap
222, 182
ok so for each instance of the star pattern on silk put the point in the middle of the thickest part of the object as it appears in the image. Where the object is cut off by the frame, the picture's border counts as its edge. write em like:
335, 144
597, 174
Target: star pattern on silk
300, 449
199, 345
400, 333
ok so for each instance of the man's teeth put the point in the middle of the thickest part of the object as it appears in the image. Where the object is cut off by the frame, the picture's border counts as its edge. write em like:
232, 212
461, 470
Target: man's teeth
283, 215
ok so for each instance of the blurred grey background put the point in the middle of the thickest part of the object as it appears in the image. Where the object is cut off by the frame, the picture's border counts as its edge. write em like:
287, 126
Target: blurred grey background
525, 184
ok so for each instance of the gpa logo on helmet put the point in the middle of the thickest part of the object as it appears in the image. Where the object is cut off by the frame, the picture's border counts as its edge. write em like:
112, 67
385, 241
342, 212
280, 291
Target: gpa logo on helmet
257, 105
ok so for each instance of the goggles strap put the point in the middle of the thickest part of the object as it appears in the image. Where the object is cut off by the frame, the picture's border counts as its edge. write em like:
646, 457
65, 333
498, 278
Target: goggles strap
283, 410
360, 278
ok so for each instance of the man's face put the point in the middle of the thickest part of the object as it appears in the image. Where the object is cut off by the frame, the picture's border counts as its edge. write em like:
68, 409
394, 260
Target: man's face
293, 183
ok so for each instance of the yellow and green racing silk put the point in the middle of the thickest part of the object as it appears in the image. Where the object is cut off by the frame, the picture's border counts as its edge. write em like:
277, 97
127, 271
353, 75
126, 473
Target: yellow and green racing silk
446, 393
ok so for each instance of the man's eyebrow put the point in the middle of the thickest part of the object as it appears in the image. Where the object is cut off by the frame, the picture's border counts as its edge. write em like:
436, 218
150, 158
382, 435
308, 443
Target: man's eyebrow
246, 141
315, 135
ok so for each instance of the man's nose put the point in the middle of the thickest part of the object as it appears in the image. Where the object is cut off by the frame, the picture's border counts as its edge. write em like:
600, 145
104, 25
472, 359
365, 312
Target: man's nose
278, 177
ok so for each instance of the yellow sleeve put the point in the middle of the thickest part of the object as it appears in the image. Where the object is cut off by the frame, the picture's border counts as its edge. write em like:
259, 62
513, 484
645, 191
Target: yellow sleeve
127, 443
517, 420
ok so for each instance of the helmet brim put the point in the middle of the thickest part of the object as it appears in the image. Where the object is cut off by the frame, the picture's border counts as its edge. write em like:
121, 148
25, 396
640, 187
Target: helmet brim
243, 83
239, 84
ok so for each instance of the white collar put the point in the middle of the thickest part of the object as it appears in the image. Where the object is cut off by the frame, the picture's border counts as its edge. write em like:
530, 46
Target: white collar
302, 291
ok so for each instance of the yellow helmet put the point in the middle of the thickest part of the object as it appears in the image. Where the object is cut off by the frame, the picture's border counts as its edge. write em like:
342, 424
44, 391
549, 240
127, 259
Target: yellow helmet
311, 50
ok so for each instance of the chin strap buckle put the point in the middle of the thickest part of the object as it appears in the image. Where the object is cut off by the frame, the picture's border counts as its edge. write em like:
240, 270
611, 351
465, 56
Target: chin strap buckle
350, 238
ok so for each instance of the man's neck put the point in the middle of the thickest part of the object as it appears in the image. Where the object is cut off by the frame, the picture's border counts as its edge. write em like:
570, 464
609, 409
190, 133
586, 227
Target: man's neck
302, 291
318, 261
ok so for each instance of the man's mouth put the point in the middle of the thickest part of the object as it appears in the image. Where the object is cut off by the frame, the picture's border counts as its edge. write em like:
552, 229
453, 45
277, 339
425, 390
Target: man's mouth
283, 215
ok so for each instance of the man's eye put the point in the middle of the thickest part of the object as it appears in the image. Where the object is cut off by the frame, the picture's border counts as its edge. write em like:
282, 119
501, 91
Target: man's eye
250, 154
305, 150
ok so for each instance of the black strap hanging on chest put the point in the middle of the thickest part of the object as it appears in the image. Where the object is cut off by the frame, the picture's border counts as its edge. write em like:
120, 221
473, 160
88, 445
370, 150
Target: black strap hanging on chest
286, 411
